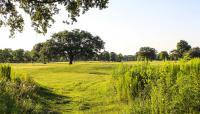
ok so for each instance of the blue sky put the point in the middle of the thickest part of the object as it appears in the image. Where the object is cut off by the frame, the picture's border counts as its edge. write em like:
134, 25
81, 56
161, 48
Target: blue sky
127, 25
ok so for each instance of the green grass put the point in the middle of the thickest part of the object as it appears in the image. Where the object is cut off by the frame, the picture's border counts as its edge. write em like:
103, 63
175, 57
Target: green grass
115, 88
160, 88
86, 87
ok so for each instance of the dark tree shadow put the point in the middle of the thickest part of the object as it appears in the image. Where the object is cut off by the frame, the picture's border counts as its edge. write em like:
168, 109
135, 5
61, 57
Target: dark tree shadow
50, 100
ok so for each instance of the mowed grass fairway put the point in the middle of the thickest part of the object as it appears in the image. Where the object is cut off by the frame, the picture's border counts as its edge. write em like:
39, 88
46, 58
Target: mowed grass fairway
84, 87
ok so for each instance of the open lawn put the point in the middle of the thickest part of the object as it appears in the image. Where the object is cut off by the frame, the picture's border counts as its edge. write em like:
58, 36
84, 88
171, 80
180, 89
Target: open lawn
84, 87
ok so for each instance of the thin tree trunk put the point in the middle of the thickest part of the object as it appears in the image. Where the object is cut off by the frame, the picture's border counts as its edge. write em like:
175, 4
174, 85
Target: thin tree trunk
71, 60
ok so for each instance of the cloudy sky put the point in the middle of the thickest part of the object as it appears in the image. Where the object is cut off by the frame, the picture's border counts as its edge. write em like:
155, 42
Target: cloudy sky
126, 25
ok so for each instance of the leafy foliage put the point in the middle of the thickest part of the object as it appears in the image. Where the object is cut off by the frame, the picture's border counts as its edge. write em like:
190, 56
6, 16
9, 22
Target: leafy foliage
175, 55
15, 56
77, 43
194, 52
147, 53
163, 55
183, 47
42, 12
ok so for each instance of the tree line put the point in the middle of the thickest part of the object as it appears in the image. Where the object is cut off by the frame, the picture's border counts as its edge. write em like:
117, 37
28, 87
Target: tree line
8, 55
183, 50
37, 54
64, 46
80, 45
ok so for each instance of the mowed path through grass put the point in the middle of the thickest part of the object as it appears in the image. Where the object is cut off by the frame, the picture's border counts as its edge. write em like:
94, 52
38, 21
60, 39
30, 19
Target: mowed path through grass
85, 86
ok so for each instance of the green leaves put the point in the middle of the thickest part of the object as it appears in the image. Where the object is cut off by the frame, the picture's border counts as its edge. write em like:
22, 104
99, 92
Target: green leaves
77, 44
183, 47
42, 12
146, 53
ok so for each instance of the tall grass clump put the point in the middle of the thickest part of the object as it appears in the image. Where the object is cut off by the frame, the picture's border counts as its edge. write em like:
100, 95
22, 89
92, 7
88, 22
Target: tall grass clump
5, 72
18, 95
168, 88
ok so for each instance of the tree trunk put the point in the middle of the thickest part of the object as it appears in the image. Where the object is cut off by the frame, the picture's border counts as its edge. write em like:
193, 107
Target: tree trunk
71, 60
44, 61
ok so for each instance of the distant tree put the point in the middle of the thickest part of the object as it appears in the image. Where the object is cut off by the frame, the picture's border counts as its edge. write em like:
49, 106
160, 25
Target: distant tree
119, 57
7, 55
147, 53
194, 52
35, 52
18, 55
77, 43
175, 55
104, 56
50, 49
45, 51
1, 56
27, 56
129, 58
163, 55
113, 56
42, 12
183, 47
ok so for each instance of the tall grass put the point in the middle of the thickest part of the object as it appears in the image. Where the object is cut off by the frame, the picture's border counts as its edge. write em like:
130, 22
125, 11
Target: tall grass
5, 72
160, 88
19, 95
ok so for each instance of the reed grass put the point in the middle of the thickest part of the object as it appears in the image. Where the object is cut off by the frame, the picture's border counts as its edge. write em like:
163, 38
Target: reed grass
165, 88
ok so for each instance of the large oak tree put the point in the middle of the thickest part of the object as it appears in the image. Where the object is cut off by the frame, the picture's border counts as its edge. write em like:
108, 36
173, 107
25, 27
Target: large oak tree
77, 43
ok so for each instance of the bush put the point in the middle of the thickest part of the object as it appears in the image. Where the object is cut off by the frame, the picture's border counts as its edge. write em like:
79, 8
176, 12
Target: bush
162, 88
5, 72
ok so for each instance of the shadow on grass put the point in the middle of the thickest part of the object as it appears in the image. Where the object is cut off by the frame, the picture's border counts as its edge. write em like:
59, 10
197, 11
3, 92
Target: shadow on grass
98, 73
51, 101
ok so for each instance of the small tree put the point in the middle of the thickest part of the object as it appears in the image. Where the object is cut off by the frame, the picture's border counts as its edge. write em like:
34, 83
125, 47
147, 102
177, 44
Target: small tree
183, 47
194, 52
175, 55
35, 52
163, 55
113, 56
104, 56
7, 55
18, 55
119, 57
147, 53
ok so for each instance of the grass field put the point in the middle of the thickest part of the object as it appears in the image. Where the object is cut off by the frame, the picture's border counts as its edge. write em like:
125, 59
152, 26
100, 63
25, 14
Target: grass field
84, 87
101, 88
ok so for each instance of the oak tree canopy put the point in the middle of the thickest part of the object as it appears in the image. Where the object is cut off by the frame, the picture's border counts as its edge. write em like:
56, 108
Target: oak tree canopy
42, 12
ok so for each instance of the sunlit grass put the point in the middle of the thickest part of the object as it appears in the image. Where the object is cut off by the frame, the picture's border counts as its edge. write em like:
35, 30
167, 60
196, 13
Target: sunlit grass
86, 85
160, 87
